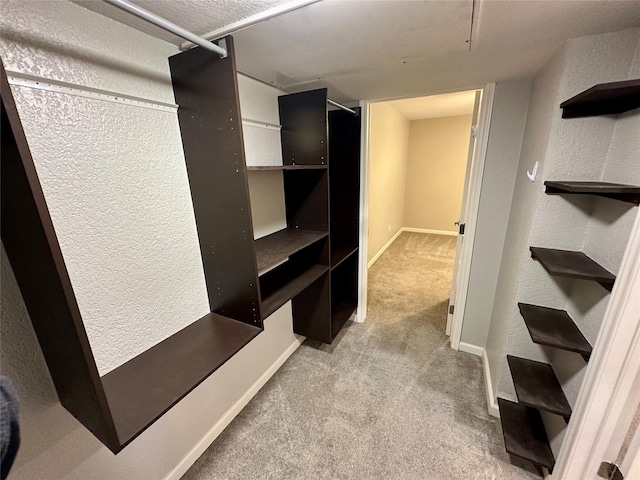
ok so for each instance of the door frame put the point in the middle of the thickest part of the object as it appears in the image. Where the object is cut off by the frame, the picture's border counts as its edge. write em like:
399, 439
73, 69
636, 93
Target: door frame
602, 413
475, 185
363, 244
475, 188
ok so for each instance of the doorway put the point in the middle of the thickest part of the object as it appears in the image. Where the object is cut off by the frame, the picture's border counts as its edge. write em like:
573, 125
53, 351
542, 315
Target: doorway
419, 171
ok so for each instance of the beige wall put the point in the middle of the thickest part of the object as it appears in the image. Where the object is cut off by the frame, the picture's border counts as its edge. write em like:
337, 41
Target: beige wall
388, 163
436, 164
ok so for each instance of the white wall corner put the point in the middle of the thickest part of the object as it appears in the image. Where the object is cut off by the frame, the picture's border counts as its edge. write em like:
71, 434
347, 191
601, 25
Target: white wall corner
492, 404
383, 249
472, 349
189, 459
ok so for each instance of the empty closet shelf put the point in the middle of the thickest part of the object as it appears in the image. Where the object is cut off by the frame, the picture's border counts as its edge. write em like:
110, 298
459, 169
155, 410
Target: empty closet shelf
566, 263
554, 328
524, 433
145, 387
290, 289
277, 247
537, 386
615, 191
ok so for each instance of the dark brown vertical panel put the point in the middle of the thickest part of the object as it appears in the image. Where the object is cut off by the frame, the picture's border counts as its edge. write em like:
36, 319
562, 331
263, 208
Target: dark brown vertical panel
206, 90
312, 311
303, 117
36, 259
344, 179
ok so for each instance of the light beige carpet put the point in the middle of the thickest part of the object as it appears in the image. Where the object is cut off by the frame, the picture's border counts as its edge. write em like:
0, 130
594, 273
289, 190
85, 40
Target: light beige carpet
387, 400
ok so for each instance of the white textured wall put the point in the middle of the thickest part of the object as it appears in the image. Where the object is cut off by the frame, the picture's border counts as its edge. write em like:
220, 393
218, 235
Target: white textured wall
436, 164
388, 150
113, 175
120, 144
508, 118
598, 148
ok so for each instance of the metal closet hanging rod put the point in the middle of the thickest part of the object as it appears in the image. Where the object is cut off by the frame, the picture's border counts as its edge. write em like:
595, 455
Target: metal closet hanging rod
167, 25
336, 104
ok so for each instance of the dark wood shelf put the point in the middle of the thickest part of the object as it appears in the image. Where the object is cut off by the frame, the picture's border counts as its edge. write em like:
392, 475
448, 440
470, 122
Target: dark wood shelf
566, 263
277, 247
286, 167
615, 191
145, 387
603, 99
339, 255
554, 328
524, 434
290, 289
537, 386
339, 316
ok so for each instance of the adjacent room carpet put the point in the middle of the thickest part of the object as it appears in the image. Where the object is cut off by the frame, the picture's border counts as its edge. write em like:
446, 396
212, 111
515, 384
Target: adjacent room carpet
389, 399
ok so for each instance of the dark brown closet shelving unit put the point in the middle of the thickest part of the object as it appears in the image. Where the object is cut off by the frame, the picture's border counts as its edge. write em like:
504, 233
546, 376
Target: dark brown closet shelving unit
536, 384
314, 261
118, 406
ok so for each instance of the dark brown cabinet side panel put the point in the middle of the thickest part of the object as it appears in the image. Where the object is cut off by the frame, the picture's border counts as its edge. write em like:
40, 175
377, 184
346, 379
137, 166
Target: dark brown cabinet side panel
206, 90
344, 180
303, 117
312, 311
36, 259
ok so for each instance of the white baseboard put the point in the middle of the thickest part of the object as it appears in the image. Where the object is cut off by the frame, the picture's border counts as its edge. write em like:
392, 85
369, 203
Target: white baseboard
189, 459
472, 349
492, 404
428, 230
382, 250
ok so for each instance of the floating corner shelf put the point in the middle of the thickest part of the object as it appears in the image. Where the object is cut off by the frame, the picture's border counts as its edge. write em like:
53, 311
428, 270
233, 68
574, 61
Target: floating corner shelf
567, 263
537, 386
554, 328
603, 99
615, 191
524, 434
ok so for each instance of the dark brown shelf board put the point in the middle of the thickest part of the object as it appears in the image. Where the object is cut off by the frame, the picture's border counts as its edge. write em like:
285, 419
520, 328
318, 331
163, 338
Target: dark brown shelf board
603, 99
339, 255
524, 434
537, 386
286, 167
615, 191
339, 316
566, 263
292, 288
554, 328
277, 247
141, 390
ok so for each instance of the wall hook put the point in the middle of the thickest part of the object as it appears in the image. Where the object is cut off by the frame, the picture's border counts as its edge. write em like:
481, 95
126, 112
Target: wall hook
532, 175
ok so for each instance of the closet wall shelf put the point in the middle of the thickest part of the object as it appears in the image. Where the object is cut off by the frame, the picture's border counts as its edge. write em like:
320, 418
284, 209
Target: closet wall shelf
145, 387
524, 434
277, 247
603, 99
286, 167
566, 263
554, 328
537, 386
290, 289
616, 191
339, 255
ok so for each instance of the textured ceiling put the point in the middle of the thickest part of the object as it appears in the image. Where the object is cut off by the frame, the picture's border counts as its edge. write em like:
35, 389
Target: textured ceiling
198, 16
390, 49
435, 106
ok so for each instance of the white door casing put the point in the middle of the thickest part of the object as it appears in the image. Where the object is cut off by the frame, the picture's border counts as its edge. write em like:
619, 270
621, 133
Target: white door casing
469, 215
463, 210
